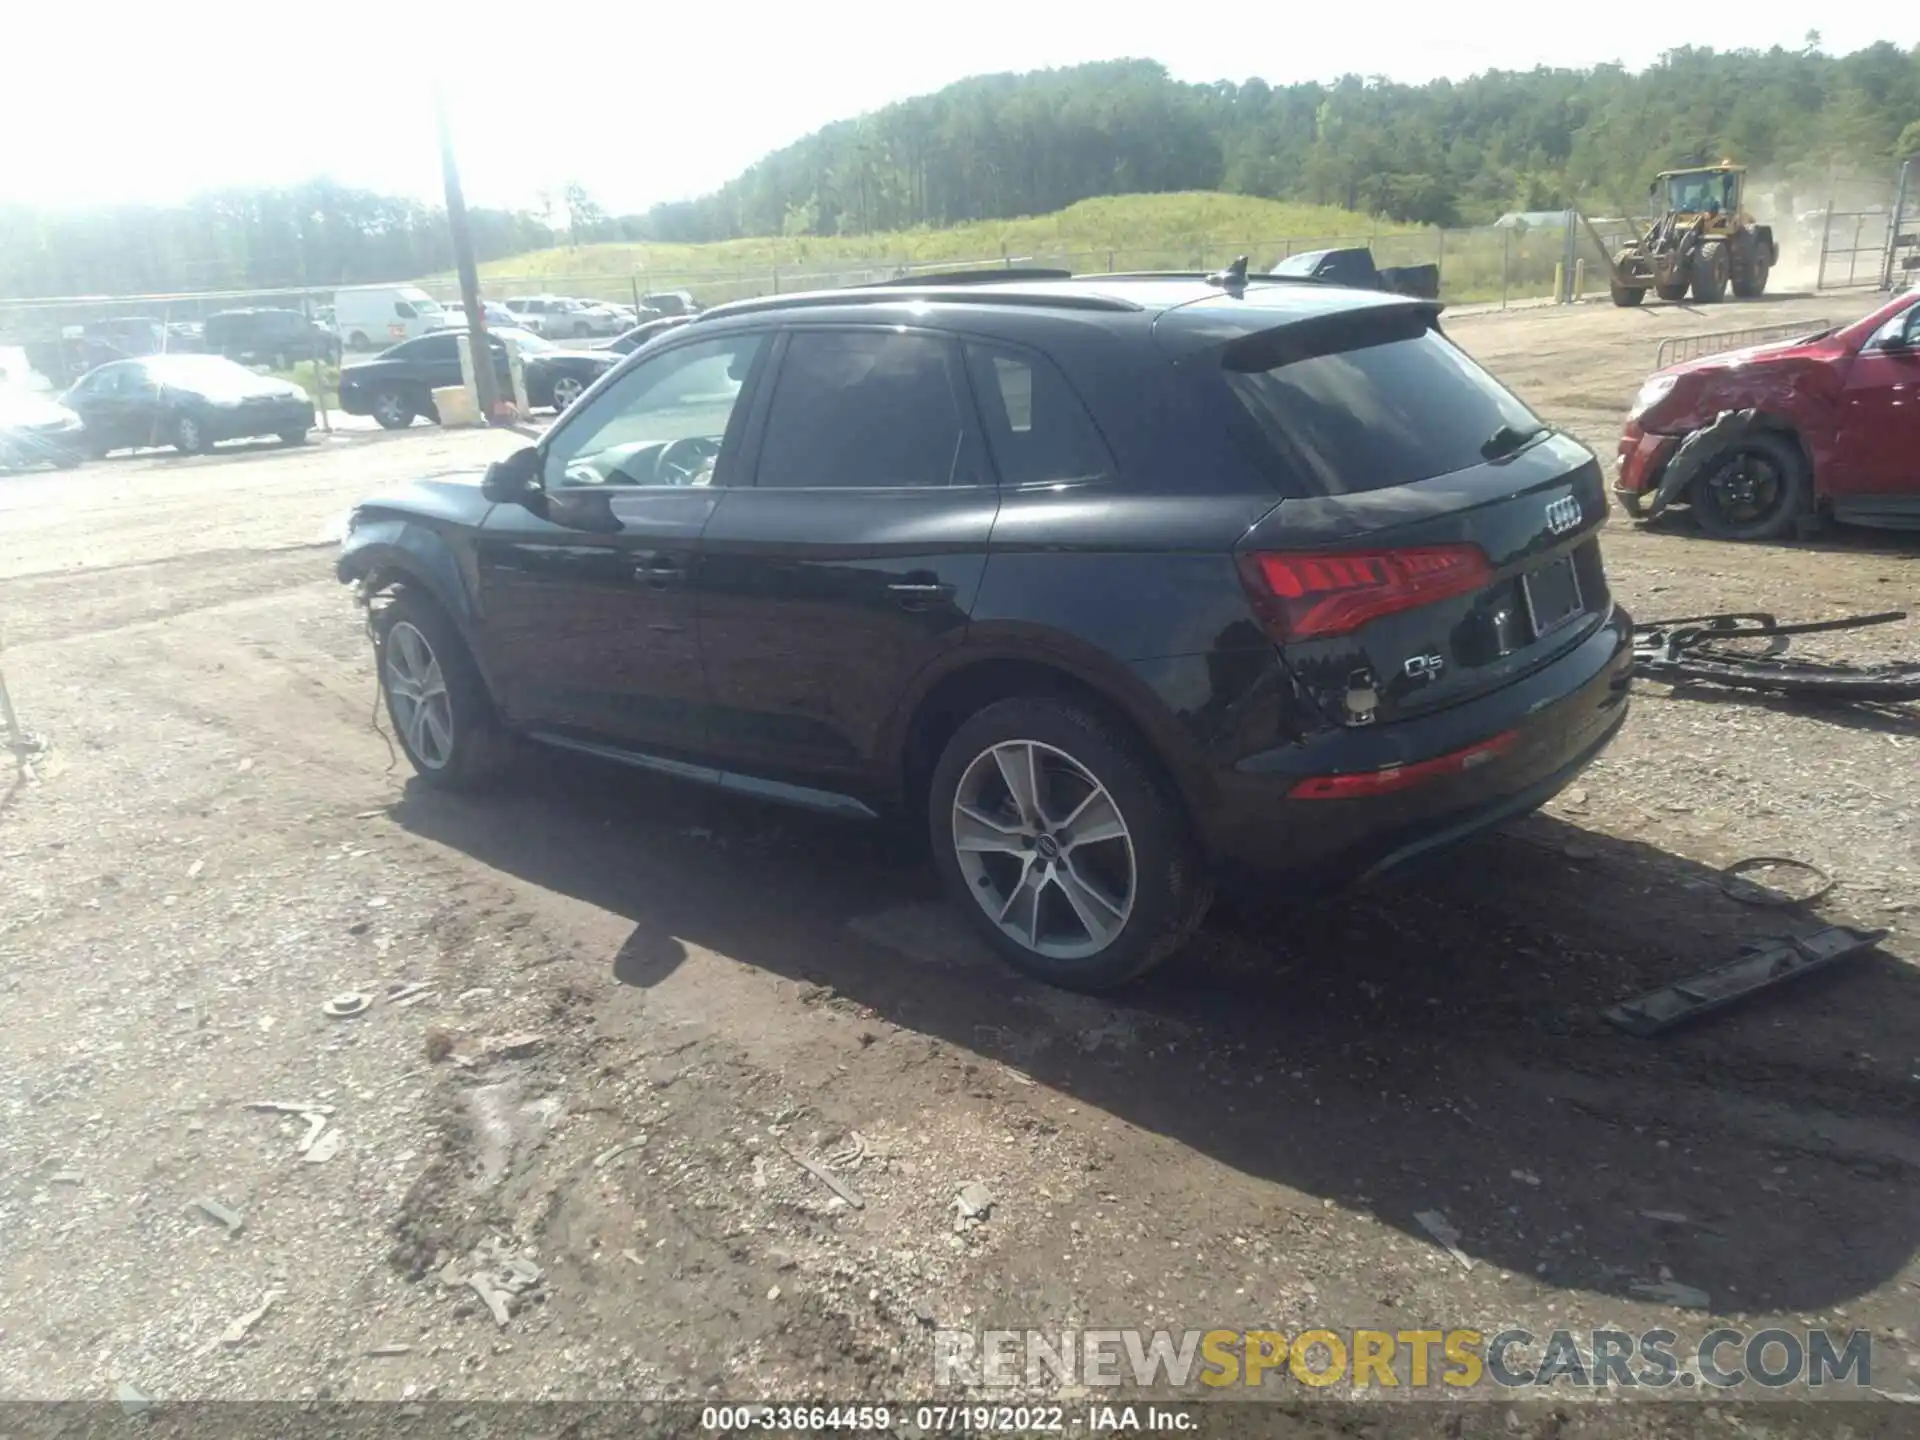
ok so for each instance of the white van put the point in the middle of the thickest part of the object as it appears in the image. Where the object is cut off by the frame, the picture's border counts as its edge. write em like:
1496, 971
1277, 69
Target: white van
372, 317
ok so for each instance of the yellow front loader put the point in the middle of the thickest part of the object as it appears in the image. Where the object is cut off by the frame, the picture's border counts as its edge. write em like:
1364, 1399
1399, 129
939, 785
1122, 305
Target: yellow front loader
1703, 241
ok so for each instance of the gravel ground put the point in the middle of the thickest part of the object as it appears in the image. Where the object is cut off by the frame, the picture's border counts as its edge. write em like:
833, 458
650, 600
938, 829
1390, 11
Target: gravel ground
619, 1030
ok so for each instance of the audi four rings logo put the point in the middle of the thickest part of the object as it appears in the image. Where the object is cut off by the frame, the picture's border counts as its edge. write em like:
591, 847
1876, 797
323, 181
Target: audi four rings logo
1563, 515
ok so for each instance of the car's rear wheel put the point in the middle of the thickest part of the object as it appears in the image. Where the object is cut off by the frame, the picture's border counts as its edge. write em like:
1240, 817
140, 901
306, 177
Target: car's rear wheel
566, 390
293, 437
1758, 492
393, 410
190, 436
358, 341
1061, 842
437, 701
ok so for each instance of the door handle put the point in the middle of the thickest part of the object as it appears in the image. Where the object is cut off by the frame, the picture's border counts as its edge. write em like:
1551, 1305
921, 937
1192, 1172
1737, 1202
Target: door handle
918, 595
659, 571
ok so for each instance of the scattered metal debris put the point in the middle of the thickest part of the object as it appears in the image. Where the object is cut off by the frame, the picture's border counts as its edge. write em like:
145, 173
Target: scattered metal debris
346, 1005
403, 992
1525, 1177
832, 1181
315, 1124
1716, 650
1437, 1225
972, 1206
382, 1351
64, 1177
1673, 1292
614, 1151
1733, 880
521, 1042
498, 1275
289, 1107
324, 1148
493, 1297
225, 1214
1756, 968
236, 1334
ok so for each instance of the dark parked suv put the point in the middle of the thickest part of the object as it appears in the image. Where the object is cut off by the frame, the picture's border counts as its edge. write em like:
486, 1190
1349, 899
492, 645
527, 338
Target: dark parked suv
278, 338
1121, 585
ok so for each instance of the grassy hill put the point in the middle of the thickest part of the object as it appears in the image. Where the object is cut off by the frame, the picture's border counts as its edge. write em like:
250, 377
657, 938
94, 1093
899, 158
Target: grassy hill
1142, 231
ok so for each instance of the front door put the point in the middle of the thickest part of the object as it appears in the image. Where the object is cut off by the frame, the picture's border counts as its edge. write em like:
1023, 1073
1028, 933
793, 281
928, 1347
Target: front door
588, 619
1877, 440
851, 560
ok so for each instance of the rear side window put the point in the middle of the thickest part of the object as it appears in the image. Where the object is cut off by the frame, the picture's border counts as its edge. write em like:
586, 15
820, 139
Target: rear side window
1393, 413
1037, 430
863, 409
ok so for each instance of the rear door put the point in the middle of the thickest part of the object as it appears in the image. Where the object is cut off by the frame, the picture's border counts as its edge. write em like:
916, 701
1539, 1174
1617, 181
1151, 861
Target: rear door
852, 559
1441, 540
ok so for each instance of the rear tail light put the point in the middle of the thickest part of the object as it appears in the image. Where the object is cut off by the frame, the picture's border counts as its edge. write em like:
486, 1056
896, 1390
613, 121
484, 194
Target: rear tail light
1334, 592
1402, 777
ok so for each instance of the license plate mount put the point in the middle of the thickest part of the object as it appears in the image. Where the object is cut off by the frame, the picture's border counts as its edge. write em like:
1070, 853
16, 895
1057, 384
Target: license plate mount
1552, 594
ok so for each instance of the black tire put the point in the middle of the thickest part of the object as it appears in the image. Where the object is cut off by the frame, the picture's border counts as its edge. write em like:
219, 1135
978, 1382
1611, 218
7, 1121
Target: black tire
358, 341
394, 409
294, 437
66, 461
1625, 295
97, 448
478, 747
189, 435
1754, 285
1170, 891
1768, 467
1671, 293
1710, 274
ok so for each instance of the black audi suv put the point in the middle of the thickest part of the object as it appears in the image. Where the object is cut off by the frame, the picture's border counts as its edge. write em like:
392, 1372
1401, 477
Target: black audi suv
1121, 587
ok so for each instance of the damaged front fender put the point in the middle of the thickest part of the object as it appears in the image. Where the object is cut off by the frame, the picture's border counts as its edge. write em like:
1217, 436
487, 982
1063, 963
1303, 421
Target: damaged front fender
1697, 454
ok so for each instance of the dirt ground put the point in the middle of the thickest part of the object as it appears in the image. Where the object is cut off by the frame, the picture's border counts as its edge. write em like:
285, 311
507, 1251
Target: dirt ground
642, 1007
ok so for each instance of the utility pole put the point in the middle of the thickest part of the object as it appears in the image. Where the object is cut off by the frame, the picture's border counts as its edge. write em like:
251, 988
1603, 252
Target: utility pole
485, 382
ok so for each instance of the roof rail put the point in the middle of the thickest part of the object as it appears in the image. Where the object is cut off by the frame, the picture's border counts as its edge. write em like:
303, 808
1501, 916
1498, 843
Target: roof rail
1254, 278
988, 276
901, 295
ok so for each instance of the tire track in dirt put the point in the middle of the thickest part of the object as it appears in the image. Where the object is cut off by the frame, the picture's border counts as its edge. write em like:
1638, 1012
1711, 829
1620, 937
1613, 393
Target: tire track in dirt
68, 604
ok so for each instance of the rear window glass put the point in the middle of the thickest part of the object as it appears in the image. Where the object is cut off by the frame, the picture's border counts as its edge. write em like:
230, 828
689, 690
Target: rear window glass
1389, 414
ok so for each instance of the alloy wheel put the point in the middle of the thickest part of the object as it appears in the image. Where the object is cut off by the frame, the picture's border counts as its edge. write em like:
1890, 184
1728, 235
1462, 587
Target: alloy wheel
1747, 488
417, 691
566, 390
187, 431
1044, 849
389, 410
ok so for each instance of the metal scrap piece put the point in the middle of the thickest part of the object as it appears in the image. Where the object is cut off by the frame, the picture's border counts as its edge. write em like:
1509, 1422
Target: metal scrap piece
1751, 892
1756, 968
832, 1181
1707, 649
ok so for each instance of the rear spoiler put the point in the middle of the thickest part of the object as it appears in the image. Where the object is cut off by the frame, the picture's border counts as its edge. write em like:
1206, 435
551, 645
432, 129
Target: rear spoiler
1331, 333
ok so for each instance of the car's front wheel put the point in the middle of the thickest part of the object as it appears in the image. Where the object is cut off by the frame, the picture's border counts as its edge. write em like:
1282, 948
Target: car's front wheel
436, 699
566, 390
190, 436
393, 410
1059, 838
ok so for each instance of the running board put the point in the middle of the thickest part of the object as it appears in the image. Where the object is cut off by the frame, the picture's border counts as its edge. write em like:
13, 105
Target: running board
804, 797
1756, 968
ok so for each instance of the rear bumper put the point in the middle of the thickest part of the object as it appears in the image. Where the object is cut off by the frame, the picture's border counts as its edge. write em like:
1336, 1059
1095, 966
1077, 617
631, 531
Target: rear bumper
1562, 716
1643, 458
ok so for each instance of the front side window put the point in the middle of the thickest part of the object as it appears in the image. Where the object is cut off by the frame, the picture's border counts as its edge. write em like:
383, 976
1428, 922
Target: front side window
863, 410
662, 423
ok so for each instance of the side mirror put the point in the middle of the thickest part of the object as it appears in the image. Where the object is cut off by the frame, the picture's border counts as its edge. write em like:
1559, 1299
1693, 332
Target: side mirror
514, 480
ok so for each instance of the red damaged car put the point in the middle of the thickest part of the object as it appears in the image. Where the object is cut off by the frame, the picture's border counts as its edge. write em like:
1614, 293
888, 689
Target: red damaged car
1824, 424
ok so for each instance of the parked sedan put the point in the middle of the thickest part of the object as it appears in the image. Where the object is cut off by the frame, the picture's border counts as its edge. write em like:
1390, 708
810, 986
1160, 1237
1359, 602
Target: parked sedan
561, 317
1833, 430
191, 402
396, 387
640, 334
35, 430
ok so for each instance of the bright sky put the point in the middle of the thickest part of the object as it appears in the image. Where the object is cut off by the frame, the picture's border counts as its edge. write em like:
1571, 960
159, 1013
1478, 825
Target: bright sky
643, 101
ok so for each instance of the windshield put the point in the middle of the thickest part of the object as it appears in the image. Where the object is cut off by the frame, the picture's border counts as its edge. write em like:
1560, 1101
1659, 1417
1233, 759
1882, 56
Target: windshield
205, 374
525, 339
1700, 191
1383, 415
